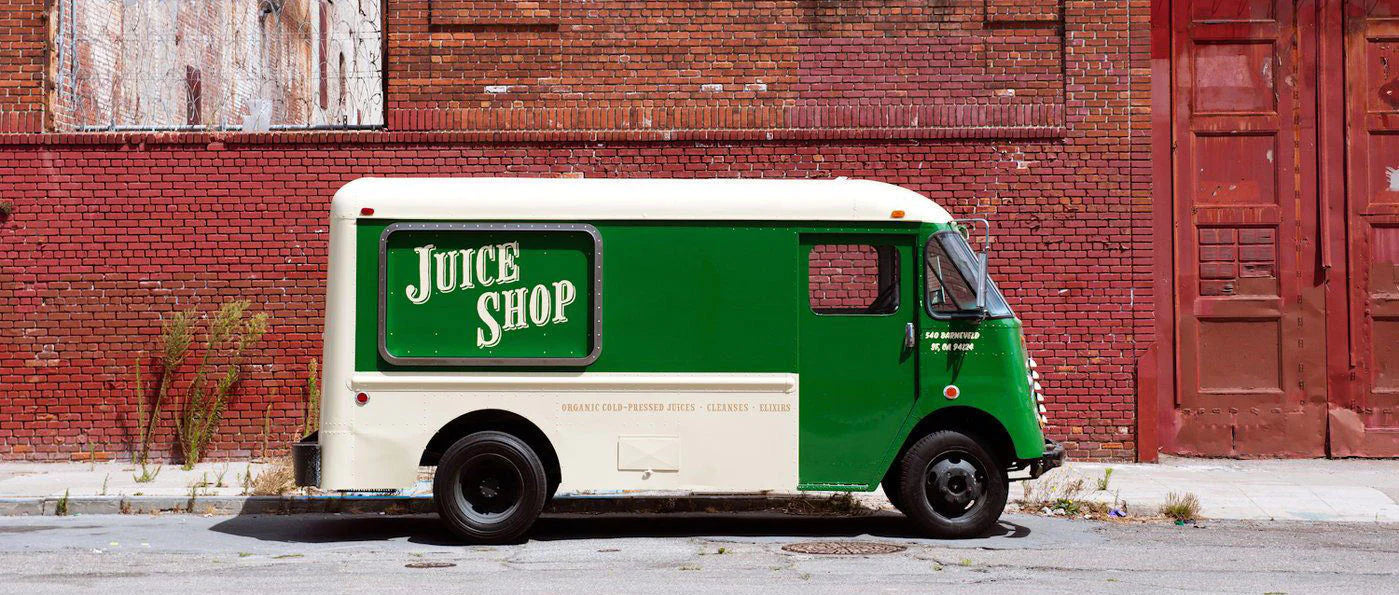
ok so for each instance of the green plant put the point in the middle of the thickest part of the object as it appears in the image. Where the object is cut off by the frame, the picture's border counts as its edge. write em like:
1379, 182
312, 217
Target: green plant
230, 333
7, 208
176, 334
245, 479
313, 399
104, 485
147, 474
1103, 481
61, 507
1181, 507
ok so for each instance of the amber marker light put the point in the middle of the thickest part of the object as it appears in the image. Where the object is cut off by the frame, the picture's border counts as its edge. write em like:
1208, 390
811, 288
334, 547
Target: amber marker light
896, 215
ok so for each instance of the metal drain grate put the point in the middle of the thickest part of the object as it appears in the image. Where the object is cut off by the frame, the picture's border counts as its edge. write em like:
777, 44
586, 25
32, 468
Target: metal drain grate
843, 548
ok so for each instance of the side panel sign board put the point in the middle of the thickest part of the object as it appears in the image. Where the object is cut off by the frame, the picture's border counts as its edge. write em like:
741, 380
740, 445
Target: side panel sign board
490, 294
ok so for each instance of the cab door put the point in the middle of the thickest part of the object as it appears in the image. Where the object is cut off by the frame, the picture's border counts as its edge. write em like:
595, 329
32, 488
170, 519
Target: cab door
858, 365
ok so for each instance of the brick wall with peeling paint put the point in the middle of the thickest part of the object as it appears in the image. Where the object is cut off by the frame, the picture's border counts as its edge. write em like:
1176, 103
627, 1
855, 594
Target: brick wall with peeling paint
206, 64
1035, 120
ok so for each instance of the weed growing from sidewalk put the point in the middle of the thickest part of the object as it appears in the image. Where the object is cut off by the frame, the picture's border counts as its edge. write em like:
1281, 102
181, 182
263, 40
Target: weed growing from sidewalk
1181, 507
61, 507
245, 479
1058, 494
201, 486
230, 333
148, 474
104, 484
276, 480
1103, 481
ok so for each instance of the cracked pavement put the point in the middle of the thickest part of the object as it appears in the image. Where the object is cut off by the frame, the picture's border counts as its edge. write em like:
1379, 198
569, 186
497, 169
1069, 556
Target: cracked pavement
727, 552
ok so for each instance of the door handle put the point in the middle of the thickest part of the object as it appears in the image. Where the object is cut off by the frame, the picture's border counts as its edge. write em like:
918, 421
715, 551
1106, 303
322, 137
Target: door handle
909, 340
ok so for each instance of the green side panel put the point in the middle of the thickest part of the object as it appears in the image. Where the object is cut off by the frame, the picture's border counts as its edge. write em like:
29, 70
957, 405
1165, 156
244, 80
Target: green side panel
536, 302
696, 297
732, 297
857, 375
986, 361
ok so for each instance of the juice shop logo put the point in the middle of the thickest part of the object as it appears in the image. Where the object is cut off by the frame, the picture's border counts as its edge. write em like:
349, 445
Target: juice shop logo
501, 311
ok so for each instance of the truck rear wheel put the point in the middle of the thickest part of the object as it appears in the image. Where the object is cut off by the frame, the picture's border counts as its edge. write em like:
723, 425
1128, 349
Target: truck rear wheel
490, 487
951, 486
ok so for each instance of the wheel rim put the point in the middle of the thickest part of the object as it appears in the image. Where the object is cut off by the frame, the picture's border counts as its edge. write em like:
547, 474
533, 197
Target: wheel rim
489, 488
955, 484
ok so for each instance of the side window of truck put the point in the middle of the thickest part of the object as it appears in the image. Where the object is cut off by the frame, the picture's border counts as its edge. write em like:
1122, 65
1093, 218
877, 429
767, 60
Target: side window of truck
853, 279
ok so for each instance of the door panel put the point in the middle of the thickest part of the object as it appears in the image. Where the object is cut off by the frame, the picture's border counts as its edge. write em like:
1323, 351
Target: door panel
1251, 363
857, 377
1365, 413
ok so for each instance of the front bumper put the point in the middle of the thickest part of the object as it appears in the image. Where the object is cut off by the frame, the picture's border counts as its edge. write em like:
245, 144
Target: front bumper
1053, 457
306, 461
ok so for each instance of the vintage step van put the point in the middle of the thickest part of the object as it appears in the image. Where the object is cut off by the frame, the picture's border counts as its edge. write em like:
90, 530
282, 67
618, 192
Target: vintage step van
531, 336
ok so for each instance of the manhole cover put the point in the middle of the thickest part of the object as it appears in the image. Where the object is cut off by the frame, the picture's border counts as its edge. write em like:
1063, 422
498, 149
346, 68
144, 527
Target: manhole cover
843, 548
429, 565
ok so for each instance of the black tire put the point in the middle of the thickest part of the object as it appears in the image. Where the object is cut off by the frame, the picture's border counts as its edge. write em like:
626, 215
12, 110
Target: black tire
891, 487
490, 488
951, 486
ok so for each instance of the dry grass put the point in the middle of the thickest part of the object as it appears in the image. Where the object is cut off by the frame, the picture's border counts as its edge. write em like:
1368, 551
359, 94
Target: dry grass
1058, 493
1181, 507
277, 479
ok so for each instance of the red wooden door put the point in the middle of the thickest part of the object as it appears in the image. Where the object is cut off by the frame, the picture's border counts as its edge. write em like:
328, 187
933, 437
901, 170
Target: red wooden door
1365, 410
1250, 312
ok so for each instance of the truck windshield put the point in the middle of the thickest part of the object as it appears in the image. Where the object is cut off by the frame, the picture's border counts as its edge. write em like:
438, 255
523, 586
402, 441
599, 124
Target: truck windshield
951, 273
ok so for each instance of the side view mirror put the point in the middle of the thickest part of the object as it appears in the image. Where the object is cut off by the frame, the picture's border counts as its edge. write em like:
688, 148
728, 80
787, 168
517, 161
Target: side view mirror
967, 226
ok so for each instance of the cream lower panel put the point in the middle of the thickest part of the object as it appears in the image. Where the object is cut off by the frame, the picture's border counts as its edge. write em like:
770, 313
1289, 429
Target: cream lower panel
699, 432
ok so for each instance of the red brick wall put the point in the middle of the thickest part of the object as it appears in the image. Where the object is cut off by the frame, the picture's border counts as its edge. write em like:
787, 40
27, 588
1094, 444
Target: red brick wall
23, 31
111, 232
842, 276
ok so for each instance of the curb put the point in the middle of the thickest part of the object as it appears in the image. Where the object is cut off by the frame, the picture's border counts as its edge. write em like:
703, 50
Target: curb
221, 505
400, 505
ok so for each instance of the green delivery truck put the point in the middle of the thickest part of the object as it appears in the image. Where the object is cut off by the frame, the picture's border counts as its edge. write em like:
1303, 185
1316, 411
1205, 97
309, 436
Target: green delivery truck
529, 337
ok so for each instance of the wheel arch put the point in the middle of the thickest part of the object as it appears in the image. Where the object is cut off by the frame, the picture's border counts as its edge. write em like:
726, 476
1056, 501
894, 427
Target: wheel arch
968, 420
495, 420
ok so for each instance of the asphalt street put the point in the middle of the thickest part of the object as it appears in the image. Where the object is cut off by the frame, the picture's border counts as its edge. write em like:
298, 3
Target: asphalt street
685, 553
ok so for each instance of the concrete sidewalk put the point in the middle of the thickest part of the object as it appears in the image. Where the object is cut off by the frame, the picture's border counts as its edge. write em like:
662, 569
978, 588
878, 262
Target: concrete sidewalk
1312, 490
1347, 490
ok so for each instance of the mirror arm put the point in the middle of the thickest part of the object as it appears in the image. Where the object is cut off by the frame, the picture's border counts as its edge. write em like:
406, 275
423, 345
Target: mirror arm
981, 284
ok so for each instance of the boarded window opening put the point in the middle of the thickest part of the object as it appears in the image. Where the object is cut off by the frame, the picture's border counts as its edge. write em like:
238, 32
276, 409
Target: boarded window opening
260, 65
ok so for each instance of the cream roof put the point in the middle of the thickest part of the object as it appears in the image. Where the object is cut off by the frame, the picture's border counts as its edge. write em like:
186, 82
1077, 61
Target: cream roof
570, 199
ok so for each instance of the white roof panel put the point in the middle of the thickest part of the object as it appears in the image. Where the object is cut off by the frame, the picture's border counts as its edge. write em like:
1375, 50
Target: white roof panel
573, 199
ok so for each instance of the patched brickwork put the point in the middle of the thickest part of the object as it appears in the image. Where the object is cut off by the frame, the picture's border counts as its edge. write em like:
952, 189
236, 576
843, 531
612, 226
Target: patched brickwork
110, 232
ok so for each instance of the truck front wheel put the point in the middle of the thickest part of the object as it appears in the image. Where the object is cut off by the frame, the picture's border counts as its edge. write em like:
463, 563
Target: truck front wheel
490, 487
951, 486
